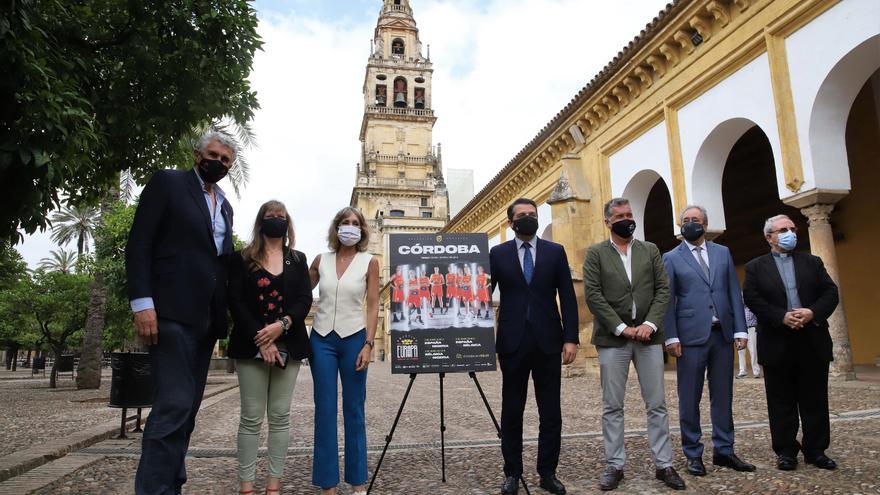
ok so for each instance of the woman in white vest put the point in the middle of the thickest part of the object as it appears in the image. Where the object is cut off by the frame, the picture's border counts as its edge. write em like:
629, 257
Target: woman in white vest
342, 345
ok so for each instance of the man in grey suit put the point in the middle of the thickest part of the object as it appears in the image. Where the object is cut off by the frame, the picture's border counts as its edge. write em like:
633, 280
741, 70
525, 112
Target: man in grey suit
704, 316
627, 290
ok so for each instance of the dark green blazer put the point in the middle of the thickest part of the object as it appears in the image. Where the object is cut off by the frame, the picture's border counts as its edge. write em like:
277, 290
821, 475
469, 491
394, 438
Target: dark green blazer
610, 295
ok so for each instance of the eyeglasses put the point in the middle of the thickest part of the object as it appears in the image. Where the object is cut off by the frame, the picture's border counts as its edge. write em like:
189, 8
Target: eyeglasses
783, 230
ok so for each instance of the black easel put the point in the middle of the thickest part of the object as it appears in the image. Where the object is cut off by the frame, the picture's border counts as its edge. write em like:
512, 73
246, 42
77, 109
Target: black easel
412, 378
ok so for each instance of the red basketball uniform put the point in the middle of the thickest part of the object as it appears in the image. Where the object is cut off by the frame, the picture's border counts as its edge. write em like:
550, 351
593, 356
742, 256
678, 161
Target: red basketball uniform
397, 288
423, 287
482, 288
464, 288
451, 289
437, 285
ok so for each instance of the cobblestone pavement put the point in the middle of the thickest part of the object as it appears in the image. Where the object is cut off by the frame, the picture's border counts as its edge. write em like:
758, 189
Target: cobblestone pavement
32, 413
475, 466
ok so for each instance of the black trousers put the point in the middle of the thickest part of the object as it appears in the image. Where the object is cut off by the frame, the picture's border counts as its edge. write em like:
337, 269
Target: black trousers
796, 390
179, 366
546, 372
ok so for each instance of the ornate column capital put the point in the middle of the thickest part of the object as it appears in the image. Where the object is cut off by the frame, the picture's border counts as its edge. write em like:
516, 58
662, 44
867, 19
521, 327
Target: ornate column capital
818, 214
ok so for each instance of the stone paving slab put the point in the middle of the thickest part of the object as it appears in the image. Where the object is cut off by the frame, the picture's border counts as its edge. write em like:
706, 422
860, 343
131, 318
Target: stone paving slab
474, 465
16, 463
47, 474
477, 470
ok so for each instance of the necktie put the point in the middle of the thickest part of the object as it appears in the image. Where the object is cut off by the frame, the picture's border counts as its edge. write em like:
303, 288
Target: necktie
528, 262
703, 264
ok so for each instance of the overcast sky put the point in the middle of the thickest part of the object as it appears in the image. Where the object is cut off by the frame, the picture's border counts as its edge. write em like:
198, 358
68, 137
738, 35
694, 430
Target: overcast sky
502, 70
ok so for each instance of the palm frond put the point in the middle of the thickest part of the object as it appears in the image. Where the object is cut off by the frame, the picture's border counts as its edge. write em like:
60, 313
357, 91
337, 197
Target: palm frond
74, 223
60, 260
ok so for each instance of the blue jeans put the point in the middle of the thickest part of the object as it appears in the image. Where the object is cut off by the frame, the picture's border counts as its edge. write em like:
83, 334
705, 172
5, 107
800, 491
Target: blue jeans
179, 366
332, 356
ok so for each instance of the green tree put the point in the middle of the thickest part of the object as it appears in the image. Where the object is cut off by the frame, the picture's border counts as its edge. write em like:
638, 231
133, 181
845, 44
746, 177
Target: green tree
94, 88
74, 223
13, 270
59, 260
56, 304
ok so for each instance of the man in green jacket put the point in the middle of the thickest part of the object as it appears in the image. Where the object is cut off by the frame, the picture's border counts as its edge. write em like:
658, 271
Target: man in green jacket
627, 290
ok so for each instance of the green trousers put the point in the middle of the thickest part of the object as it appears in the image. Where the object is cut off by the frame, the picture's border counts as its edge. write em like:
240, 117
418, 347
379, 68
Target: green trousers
265, 391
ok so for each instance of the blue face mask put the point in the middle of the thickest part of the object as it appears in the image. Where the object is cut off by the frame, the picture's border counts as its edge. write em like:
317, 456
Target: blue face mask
787, 241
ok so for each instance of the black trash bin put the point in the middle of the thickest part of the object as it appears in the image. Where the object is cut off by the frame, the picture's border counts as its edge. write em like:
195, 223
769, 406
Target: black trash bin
38, 364
131, 385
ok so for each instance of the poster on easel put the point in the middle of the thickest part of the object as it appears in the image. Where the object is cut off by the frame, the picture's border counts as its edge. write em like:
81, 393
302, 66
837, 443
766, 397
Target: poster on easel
442, 319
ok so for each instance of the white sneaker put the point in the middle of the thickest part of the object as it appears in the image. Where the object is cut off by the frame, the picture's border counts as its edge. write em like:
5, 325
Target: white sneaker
741, 374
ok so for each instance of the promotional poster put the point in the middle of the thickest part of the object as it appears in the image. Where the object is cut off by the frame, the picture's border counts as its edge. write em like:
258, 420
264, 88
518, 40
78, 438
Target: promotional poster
441, 303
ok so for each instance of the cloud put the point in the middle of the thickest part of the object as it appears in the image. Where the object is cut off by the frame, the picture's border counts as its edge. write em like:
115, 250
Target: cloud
502, 70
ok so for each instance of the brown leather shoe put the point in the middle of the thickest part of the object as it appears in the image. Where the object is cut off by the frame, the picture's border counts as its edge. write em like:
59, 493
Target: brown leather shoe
670, 478
611, 477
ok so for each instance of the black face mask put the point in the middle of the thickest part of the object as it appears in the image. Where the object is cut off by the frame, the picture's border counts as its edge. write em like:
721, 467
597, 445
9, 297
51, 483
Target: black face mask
525, 225
692, 231
274, 227
212, 170
624, 228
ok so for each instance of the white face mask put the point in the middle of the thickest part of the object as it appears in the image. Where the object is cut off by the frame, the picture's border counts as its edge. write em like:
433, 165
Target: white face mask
348, 235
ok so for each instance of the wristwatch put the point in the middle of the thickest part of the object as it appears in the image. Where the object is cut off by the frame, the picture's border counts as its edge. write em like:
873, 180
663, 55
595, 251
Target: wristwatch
285, 324
369, 343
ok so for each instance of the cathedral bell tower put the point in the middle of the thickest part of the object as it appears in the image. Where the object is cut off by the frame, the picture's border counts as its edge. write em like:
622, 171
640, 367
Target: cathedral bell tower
400, 185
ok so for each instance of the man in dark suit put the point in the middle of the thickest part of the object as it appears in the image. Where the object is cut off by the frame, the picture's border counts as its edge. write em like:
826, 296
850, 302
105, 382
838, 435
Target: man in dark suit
704, 316
793, 296
176, 265
627, 290
532, 338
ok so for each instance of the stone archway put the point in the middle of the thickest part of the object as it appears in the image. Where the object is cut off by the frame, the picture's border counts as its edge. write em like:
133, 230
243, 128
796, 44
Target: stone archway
638, 192
831, 111
658, 211
856, 223
748, 195
710, 164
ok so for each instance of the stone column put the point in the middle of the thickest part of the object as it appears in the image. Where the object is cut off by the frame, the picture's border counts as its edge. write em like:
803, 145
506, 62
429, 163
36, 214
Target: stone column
572, 227
822, 245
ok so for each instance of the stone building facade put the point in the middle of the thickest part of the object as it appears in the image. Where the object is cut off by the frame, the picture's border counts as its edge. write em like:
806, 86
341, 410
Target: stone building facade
747, 107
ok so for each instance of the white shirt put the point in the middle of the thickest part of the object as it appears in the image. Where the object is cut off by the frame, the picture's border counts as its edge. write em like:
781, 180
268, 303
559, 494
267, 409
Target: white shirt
626, 258
533, 243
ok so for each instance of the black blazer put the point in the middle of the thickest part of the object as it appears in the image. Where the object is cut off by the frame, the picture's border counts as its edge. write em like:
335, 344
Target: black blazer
244, 306
171, 255
552, 275
764, 294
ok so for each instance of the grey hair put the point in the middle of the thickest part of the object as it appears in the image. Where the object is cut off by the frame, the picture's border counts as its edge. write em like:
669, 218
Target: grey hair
692, 207
220, 137
614, 203
768, 225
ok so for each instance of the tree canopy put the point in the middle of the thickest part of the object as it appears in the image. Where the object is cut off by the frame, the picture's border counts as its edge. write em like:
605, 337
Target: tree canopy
94, 88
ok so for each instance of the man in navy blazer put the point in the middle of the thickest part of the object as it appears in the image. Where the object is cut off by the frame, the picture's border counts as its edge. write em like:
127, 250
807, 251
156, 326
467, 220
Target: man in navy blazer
532, 338
704, 317
176, 267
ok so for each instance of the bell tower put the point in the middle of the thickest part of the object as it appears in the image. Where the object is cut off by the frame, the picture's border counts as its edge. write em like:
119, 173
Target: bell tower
400, 186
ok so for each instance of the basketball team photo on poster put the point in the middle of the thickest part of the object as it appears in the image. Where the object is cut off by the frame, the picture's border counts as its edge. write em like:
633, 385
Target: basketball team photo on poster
441, 303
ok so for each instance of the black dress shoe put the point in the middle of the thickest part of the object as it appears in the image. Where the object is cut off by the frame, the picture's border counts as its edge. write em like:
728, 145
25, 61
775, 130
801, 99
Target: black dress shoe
510, 485
786, 463
732, 461
695, 466
552, 484
670, 478
821, 461
611, 477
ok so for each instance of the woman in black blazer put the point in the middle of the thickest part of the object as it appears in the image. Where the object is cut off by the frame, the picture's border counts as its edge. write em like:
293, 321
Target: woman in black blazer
269, 297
